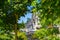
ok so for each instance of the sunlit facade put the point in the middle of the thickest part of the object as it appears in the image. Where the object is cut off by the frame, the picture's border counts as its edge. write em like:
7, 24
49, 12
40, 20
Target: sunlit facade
33, 23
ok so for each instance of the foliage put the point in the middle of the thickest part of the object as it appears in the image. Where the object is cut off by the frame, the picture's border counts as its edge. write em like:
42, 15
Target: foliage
22, 36
49, 14
5, 35
46, 34
10, 12
21, 25
10, 36
49, 11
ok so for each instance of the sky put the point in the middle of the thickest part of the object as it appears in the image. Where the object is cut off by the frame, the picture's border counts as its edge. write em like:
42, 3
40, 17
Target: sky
24, 19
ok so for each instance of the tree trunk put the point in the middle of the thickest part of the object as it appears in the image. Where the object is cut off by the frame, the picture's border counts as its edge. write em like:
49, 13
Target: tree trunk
16, 16
15, 31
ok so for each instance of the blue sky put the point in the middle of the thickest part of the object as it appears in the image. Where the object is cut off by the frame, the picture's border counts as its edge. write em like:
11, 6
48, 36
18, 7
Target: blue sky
28, 15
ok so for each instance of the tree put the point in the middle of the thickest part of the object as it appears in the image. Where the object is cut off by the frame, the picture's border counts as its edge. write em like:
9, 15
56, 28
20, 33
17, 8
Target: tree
11, 11
21, 25
49, 15
49, 11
